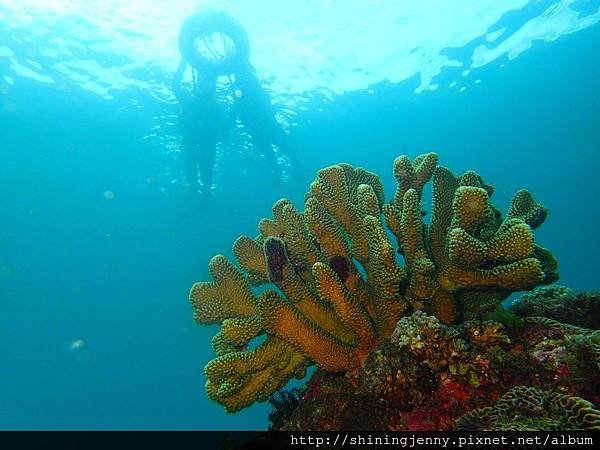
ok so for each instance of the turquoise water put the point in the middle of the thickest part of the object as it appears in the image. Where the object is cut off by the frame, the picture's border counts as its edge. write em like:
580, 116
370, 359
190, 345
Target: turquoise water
100, 241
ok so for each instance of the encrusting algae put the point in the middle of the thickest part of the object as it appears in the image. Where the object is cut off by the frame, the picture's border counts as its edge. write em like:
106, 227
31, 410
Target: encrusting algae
337, 286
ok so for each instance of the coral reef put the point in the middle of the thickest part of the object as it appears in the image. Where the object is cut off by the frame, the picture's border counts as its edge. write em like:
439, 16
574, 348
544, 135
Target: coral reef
560, 303
330, 402
531, 409
431, 376
336, 290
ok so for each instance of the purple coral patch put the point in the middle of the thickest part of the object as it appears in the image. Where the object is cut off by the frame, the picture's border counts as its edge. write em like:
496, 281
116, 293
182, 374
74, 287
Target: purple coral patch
276, 257
340, 266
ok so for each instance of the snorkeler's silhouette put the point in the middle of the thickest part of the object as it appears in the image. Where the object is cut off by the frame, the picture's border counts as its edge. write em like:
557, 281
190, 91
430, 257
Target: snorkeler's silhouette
203, 123
203, 118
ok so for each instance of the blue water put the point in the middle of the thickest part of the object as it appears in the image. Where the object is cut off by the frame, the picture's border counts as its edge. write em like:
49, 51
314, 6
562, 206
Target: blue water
114, 271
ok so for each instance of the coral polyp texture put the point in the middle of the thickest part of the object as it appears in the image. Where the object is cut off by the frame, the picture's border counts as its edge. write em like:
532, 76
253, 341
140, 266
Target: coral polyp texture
333, 286
467, 259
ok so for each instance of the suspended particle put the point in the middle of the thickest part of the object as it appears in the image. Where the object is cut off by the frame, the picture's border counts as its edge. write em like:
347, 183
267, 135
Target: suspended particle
77, 344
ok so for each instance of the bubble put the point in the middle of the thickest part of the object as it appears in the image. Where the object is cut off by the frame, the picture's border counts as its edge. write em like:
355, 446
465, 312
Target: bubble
108, 195
238, 93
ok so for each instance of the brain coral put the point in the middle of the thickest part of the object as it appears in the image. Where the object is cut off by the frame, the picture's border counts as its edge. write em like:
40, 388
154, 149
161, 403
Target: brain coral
336, 288
560, 303
531, 409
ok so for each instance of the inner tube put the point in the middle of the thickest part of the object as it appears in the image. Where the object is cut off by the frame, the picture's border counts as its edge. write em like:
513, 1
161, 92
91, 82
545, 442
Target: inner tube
204, 23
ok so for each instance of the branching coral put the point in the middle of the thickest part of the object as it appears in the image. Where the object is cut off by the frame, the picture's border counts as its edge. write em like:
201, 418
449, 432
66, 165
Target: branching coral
325, 312
337, 290
468, 259
238, 377
530, 409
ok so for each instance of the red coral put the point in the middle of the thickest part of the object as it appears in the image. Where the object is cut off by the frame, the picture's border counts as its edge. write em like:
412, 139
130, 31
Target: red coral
422, 419
453, 393
313, 389
563, 371
448, 403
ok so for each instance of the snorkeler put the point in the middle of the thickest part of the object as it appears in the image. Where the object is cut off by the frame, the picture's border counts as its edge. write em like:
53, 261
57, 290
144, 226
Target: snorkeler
203, 124
252, 104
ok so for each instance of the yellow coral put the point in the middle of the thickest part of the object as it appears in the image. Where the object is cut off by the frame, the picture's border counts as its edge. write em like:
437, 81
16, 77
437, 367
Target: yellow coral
227, 296
339, 288
249, 254
238, 379
328, 313
467, 259
409, 175
524, 207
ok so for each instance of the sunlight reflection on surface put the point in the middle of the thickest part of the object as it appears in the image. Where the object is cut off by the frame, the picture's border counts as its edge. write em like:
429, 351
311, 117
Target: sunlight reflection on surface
298, 46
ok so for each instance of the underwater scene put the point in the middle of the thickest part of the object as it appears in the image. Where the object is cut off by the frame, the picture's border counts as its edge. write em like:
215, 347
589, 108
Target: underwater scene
299, 215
